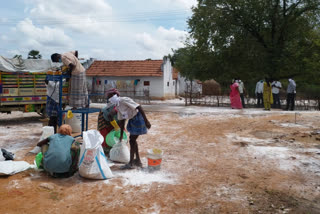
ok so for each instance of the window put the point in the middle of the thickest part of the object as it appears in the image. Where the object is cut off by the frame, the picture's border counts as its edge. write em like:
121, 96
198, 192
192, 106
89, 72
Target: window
168, 84
146, 83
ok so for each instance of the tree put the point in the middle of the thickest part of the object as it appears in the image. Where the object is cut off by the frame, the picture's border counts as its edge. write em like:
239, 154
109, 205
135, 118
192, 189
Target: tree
256, 38
17, 56
34, 54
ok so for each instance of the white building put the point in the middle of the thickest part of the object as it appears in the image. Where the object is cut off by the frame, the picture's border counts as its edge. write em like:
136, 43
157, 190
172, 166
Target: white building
135, 76
185, 85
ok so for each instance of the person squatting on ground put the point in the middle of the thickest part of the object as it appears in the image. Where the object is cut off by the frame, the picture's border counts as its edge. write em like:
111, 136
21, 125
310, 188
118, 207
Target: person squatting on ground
291, 93
52, 106
276, 86
241, 91
267, 94
60, 157
78, 95
138, 124
235, 100
259, 93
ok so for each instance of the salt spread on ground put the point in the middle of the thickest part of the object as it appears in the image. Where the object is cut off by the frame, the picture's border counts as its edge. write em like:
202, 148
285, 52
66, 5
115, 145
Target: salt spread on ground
143, 177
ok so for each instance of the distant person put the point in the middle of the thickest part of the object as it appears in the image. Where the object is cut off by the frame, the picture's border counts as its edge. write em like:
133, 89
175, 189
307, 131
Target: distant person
235, 100
267, 94
241, 91
291, 94
78, 95
58, 158
259, 93
52, 106
276, 86
138, 124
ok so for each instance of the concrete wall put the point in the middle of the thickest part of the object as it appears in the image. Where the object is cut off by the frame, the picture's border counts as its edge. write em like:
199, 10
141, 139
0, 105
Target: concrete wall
127, 84
186, 84
169, 84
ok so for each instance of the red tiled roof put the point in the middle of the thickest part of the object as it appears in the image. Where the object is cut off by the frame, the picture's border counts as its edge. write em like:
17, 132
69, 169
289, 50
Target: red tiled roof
151, 68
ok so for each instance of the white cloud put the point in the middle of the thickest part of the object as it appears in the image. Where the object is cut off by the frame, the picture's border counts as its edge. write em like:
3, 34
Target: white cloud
186, 4
162, 41
4, 37
103, 29
78, 15
37, 37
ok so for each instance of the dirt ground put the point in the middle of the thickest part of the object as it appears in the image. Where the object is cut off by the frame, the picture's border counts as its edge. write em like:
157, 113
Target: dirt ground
215, 160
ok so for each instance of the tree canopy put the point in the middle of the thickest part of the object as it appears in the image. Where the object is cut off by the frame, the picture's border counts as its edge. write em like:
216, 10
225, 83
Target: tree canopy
253, 39
34, 54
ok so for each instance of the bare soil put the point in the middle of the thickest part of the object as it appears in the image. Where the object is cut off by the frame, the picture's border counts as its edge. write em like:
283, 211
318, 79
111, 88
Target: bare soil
234, 162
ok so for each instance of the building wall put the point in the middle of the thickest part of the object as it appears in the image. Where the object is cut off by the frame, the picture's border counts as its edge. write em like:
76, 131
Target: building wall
126, 84
159, 87
168, 82
186, 84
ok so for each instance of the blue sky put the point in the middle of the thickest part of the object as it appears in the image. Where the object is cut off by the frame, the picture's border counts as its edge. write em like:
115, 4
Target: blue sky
103, 29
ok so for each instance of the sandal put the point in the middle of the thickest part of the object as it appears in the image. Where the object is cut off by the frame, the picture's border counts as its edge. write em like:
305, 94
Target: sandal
127, 166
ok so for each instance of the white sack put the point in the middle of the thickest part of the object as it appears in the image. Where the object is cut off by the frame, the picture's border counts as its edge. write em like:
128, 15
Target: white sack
1, 156
47, 131
13, 167
93, 162
120, 152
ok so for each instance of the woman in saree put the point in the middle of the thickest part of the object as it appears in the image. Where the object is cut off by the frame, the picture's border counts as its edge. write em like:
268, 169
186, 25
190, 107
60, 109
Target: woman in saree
267, 94
235, 100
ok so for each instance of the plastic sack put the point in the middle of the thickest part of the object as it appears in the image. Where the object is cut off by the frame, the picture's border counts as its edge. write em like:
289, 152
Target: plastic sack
13, 167
113, 137
47, 131
93, 162
1, 157
120, 152
38, 160
7, 155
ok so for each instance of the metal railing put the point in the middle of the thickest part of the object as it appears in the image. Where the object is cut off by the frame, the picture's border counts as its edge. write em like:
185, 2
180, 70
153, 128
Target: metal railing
301, 103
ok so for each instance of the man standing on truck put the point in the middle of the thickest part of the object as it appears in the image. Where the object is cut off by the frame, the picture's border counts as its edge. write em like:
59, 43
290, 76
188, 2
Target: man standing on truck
78, 95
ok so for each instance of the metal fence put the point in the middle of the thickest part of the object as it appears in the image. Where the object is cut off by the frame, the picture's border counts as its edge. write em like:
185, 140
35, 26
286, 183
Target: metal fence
142, 97
224, 101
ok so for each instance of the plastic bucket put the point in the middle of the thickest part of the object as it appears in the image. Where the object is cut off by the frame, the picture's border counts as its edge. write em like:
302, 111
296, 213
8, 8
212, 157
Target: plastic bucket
154, 157
113, 137
74, 122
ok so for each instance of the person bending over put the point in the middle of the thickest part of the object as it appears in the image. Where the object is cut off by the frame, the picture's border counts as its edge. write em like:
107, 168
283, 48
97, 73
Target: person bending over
138, 124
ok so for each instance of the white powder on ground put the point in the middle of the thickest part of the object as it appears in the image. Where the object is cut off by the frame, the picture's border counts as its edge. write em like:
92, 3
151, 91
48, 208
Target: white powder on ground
143, 177
286, 159
254, 141
292, 125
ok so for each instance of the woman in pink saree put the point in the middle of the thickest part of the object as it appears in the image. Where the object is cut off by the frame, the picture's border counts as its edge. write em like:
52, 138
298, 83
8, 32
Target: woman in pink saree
235, 96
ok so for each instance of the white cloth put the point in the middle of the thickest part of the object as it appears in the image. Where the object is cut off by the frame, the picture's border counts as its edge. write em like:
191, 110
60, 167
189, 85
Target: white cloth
241, 87
127, 108
115, 100
53, 90
27, 65
259, 87
276, 84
